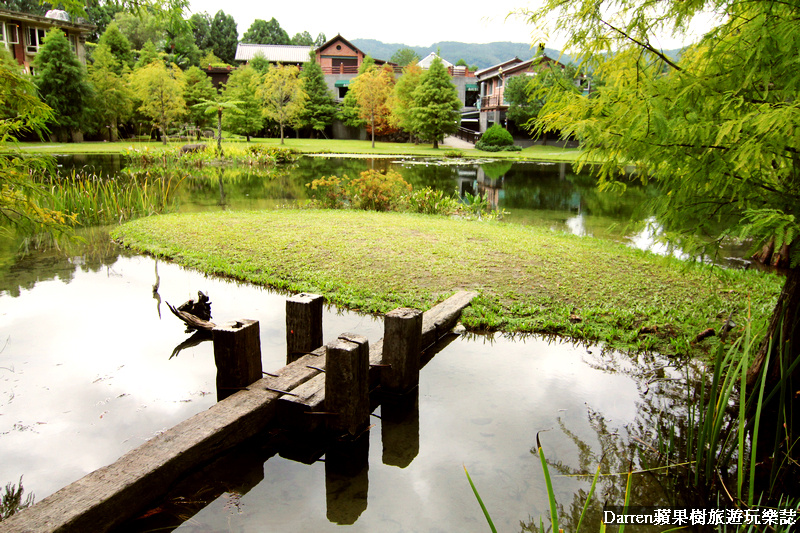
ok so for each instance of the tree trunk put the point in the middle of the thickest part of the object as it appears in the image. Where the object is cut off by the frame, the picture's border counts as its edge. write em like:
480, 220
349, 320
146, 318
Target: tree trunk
281, 132
219, 132
779, 424
163, 135
372, 122
435, 143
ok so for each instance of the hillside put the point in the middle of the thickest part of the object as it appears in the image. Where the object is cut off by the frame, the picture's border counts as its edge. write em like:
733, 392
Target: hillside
482, 55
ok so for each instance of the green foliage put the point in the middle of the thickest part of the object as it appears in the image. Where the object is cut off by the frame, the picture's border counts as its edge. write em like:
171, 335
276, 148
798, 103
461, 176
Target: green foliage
148, 55
521, 107
279, 155
497, 139
436, 104
161, 90
259, 63
201, 31
242, 85
282, 95
349, 110
181, 49
12, 501
263, 32
402, 99
141, 27
320, 109
372, 190
118, 45
113, 102
197, 87
223, 36
303, 39
405, 57
371, 90
62, 82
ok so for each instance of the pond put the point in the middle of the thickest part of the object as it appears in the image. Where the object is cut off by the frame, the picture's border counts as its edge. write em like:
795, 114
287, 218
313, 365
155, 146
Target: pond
88, 371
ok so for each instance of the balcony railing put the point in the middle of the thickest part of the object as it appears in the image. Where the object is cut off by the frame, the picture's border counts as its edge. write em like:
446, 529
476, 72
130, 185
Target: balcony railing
492, 101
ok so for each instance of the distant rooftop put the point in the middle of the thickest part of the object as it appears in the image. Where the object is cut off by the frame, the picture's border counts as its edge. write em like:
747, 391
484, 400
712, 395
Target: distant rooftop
274, 53
426, 62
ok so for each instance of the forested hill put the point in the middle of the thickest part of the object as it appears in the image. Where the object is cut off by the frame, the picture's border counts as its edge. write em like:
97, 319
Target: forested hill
481, 55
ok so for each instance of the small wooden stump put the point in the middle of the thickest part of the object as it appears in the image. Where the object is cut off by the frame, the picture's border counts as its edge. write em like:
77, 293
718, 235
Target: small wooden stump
347, 383
303, 325
402, 344
237, 354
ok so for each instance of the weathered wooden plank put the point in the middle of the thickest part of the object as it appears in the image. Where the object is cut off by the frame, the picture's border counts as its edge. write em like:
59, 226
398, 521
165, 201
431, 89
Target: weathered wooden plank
293, 410
347, 383
442, 317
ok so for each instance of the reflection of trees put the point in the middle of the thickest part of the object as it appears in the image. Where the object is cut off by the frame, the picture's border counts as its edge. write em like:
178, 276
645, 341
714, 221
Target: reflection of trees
21, 271
657, 438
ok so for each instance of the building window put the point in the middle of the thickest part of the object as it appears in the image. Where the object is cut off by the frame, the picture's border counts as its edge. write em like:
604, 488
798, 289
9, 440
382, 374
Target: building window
12, 33
35, 39
73, 43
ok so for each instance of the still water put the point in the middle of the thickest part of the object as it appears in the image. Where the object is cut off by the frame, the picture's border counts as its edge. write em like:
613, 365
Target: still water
88, 371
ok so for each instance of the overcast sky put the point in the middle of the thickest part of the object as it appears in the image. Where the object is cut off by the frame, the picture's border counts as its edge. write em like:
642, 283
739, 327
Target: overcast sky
412, 22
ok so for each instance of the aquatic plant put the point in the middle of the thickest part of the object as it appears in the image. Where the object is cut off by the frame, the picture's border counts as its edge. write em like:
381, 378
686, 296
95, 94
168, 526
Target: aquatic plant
12, 501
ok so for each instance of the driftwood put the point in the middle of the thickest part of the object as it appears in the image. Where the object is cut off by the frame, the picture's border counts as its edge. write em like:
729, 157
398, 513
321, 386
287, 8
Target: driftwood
195, 314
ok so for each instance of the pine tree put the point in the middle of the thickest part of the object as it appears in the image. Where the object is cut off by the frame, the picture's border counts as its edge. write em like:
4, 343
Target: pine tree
320, 109
148, 54
436, 104
61, 80
118, 45
223, 36
263, 32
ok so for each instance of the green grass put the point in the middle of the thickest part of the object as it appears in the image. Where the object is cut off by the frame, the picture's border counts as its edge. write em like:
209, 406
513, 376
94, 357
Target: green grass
332, 146
528, 279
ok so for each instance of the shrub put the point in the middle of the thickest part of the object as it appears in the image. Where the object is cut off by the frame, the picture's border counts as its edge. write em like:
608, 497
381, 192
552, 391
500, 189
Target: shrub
330, 192
497, 139
377, 191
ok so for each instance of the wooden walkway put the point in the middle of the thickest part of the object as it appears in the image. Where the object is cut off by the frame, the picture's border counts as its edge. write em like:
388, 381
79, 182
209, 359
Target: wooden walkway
294, 396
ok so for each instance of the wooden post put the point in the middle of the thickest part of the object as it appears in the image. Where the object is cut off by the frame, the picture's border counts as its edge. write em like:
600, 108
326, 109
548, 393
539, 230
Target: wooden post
347, 383
402, 345
237, 354
303, 325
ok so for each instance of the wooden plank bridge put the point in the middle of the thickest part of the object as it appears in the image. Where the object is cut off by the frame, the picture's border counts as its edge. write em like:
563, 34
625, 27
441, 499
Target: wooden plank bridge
331, 387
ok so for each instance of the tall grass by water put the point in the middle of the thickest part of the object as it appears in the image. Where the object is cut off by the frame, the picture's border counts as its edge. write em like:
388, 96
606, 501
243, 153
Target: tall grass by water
97, 200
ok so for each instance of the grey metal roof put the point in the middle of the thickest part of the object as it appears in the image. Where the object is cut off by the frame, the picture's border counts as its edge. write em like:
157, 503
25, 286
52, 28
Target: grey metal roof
274, 53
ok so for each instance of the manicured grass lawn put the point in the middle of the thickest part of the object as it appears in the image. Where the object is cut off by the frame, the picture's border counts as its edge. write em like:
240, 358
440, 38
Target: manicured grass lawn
528, 279
333, 146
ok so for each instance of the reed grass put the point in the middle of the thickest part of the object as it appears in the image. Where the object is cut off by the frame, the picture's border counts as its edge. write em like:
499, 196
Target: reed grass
96, 200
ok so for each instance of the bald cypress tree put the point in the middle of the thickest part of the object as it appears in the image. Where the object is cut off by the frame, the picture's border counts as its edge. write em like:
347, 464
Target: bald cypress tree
436, 104
320, 109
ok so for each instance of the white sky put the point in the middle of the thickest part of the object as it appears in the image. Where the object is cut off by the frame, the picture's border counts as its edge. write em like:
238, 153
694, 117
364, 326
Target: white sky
413, 22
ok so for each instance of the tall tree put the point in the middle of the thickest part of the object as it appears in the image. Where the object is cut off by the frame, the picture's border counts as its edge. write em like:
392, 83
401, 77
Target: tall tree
371, 90
140, 27
402, 99
404, 57
197, 87
161, 90
62, 83
436, 104
303, 39
263, 32
349, 112
201, 30
714, 130
320, 40
148, 54
118, 45
100, 14
259, 63
282, 95
320, 108
242, 85
218, 106
113, 103
224, 36
22, 113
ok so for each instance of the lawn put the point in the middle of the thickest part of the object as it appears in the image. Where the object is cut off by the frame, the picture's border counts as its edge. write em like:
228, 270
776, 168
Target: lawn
315, 146
528, 279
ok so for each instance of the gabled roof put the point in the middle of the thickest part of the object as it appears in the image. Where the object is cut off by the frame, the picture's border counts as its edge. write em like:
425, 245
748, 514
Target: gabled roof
494, 69
274, 53
426, 62
343, 40
513, 66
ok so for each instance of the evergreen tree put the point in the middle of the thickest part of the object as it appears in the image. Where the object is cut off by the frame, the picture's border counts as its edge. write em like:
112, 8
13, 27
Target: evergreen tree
404, 57
320, 40
320, 108
436, 104
61, 80
112, 99
118, 45
161, 90
197, 87
224, 36
141, 27
263, 32
303, 39
201, 30
241, 87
